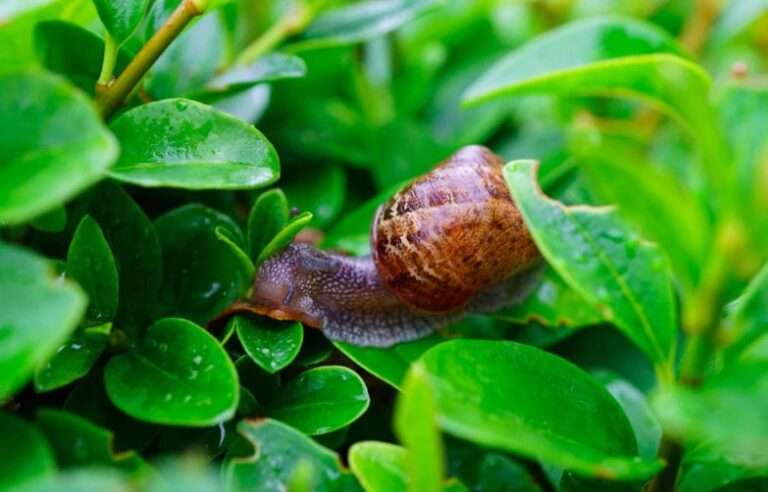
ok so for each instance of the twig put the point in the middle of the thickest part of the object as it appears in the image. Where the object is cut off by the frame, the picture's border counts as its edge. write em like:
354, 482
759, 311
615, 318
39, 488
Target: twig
146, 57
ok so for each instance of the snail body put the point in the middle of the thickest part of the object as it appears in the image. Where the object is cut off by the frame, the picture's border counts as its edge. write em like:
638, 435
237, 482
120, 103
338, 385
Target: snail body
449, 243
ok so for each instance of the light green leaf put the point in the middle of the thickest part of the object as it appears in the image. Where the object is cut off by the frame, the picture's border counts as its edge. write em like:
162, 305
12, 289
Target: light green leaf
121, 17
268, 216
604, 261
24, 452
285, 236
52, 145
379, 466
270, 343
37, 314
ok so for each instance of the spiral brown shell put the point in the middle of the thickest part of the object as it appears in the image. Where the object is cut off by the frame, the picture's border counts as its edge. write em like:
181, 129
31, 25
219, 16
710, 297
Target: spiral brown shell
451, 233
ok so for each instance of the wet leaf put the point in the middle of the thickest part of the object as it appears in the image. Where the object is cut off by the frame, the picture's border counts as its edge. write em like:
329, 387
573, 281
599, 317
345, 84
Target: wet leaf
270, 343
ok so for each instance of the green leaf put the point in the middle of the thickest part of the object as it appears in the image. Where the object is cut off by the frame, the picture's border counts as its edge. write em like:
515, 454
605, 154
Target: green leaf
708, 467
53, 221
121, 17
390, 364
604, 261
52, 145
552, 303
202, 274
728, 409
24, 453
278, 453
320, 400
666, 212
357, 22
270, 343
14, 8
74, 52
77, 442
285, 236
269, 68
268, 216
176, 375
73, 359
322, 192
91, 264
37, 314
379, 466
509, 396
80, 480
416, 427
202, 149
607, 56
136, 249
235, 245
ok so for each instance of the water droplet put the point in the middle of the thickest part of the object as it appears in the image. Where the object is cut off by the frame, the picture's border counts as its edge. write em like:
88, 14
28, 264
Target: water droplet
197, 359
182, 105
76, 346
168, 396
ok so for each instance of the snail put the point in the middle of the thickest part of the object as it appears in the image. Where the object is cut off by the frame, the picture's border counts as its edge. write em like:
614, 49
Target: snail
449, 243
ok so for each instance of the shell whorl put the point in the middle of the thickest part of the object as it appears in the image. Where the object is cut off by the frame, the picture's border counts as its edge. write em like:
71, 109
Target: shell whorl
451, 233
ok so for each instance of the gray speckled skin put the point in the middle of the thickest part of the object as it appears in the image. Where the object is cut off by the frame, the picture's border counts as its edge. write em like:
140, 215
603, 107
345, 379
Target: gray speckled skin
346, 298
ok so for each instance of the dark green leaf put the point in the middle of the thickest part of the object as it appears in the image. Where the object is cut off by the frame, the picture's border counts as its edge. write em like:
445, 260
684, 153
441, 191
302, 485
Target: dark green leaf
78, 442
552, 303
202, 274
604, 261
321, 192
53, 221
356, 22
37, 314
24, 453
510, 396
202, 149
177, 375
270, 343
91, 264
277, 454
268, 216
74, 52
73, 359
379, 466
52, 145
136, 249
121, 17
321, 400
236, 246
390, 364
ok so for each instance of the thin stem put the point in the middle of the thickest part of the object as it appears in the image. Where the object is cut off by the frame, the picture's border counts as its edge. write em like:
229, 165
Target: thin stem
146, 57
696, 30
293, 22
665, 480
110, 57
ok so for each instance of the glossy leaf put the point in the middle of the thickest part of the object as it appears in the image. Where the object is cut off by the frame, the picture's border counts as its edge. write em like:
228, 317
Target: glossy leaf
136, 249
269, 68
73, 359
285, 236
37, 314
353, 23
277, 454
176, 375
604, 261
416, 427
552, 303
379, 466
202, 275
91, 264
320, 400
78, 442
203, 149
728, 408
121, 17
74, 52
268, 216
523, 409
52, 145
24, 452
270, 343
390, 364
